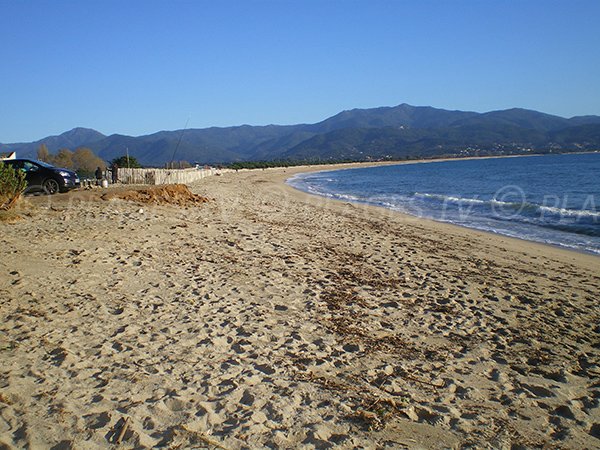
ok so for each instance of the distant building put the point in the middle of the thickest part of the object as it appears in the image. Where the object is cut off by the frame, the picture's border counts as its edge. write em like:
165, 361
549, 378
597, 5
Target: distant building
10, 155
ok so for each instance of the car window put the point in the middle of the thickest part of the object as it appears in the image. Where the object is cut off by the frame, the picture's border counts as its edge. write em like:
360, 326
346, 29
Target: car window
30, 167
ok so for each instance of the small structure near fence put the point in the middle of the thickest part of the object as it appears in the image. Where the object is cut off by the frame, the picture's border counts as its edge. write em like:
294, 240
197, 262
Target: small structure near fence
166, 176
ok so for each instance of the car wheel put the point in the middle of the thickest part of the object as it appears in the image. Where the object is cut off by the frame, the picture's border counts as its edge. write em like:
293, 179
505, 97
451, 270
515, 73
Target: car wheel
51, 186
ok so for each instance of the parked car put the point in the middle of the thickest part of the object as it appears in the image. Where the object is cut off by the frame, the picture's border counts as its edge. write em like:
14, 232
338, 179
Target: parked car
44, 177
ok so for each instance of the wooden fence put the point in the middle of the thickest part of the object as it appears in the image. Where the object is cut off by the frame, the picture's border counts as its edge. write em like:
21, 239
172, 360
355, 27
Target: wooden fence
165, 176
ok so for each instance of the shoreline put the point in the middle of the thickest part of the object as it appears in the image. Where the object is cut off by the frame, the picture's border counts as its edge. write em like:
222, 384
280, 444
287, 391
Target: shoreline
368, 165
419, 161
269, 317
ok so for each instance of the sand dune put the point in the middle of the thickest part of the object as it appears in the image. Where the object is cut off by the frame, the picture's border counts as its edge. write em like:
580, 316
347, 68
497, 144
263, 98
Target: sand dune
267, 318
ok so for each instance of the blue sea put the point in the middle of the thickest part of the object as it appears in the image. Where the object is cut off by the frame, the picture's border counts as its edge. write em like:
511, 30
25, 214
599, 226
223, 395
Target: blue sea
553, 199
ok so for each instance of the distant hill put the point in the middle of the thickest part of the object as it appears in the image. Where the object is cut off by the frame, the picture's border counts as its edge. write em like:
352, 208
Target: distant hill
398, 116
77, 137
398, 132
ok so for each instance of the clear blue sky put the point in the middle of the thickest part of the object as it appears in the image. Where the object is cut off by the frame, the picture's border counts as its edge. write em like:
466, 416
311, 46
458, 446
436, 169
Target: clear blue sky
137, 67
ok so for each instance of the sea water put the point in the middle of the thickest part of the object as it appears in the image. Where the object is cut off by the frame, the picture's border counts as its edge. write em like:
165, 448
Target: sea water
554, 199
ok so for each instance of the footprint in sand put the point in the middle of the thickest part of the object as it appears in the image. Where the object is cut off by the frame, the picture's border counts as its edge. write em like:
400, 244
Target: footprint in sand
538, 391
96, 421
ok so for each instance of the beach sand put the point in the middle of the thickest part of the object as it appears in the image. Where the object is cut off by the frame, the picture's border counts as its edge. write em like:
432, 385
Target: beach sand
268, 318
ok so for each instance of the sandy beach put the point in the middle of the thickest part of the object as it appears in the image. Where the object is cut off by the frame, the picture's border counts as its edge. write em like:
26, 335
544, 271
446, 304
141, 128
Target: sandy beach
269, 318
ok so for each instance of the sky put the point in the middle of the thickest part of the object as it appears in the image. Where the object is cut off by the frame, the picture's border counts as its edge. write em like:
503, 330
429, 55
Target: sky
138, 67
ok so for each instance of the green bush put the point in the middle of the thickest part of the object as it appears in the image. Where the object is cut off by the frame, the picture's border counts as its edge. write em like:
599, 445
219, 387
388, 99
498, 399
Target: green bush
12, 185
125, 161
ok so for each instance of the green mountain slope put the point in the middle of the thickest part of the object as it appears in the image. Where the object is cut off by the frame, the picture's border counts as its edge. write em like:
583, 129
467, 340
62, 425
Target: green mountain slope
388, 132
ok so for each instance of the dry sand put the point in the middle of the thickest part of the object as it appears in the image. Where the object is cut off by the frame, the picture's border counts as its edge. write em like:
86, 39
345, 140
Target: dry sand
267, 318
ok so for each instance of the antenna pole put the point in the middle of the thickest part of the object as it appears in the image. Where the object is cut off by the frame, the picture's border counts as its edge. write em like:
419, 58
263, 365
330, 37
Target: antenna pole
179, 142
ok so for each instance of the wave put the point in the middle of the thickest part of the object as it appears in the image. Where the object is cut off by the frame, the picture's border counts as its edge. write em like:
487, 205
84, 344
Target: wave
471, 200
542, 210
570, 212
450, 198
333, 195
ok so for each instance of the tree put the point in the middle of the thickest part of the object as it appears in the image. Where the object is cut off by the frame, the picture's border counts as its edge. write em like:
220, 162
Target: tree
124, 161
86, 161
64, 158
43, 154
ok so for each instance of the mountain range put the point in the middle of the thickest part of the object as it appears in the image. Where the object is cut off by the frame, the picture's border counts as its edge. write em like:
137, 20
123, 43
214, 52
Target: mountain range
398, 132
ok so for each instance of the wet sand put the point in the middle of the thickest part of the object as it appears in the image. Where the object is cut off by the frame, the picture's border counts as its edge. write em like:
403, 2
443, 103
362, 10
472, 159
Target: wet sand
270, 318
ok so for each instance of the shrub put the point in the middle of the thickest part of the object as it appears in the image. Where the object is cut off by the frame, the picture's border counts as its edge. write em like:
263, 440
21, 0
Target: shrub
12, 185
125, 161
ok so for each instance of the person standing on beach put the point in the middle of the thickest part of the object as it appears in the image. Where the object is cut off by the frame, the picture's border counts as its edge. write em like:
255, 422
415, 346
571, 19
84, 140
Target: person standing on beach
115, 172
98, 175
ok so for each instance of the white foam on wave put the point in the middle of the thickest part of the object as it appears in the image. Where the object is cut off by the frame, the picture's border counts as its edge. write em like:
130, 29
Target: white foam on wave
516, 205
451, 198
570, 212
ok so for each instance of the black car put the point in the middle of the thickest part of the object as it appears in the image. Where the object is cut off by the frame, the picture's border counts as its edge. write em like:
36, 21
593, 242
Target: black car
41, 176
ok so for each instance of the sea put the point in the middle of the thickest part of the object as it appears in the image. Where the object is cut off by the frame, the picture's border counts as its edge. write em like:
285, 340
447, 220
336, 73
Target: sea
552, 199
